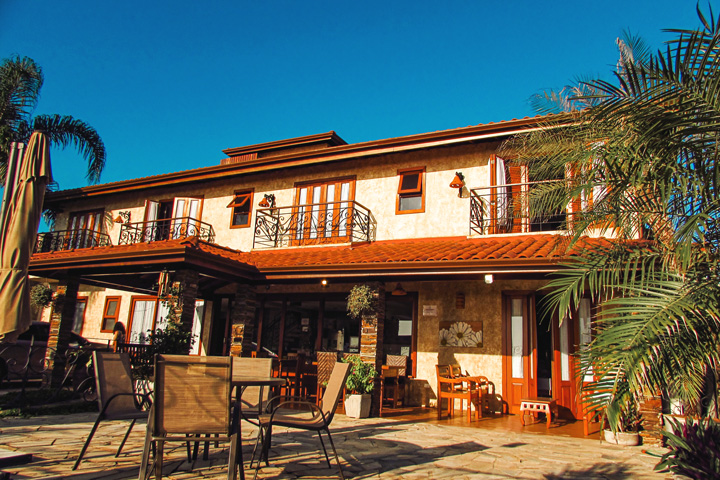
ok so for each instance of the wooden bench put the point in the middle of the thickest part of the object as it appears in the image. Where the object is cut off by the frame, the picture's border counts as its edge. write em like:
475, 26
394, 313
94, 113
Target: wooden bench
548, 406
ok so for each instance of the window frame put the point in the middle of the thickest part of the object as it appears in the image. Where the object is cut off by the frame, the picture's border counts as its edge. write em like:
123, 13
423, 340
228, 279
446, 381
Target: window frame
411, 192
106, 316
81, 299
250, 193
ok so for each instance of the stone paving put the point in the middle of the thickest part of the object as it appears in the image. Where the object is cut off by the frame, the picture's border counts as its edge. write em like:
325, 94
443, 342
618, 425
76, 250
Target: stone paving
375, 448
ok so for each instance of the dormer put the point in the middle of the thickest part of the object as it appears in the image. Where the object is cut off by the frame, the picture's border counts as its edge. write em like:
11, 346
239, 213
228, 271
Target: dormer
308, 143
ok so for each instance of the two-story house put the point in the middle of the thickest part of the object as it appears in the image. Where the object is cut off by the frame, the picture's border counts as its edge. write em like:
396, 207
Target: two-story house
267, 244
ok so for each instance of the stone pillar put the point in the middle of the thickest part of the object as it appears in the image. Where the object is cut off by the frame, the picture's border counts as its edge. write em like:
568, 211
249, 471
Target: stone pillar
371, 340
188, 281
651, 411
242, 330
61, 322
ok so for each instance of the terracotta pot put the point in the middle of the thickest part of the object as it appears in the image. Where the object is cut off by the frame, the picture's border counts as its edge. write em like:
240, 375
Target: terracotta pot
358, 406
629, 439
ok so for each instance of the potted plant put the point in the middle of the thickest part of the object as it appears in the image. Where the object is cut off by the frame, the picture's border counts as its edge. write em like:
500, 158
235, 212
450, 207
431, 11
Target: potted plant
626, 430
361, 301
360, 383
41, 295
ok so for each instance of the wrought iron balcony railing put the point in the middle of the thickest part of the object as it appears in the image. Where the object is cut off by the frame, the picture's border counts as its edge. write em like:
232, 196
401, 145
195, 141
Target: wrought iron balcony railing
165, 229
511, 208
313, 224
70, 240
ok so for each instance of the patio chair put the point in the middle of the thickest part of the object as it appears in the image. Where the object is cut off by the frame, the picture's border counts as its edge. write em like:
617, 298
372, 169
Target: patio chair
192, 402
451, 388
116, 396
325, 363
317, 418
391, 391
252, 399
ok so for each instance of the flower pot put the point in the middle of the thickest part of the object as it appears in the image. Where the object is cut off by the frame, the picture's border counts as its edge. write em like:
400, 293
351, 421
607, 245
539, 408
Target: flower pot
629, 439
358, 406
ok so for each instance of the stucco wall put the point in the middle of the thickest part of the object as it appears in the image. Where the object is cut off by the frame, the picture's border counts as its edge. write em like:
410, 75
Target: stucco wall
376, 188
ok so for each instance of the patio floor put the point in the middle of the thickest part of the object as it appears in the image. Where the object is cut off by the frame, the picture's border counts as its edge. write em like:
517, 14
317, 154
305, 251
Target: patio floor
413, 444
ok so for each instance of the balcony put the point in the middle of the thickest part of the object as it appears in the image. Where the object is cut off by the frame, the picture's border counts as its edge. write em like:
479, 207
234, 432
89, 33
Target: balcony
165, 229
313, 224
509, 209
70, 240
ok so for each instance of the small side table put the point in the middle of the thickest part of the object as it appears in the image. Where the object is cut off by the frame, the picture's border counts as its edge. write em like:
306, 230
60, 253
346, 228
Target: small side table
548, 406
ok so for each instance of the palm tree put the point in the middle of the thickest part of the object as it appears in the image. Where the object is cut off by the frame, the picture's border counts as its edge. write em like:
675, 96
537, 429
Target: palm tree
20, 82
642, 152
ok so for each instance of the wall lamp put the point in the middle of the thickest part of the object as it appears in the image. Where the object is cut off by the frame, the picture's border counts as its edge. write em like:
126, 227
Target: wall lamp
458, 182
268, 201
399, 291
123, 217
489, 278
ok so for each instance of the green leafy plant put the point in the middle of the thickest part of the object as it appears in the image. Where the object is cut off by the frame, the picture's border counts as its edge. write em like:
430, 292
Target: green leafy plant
41, 295
694, 449
362, 376
361, 301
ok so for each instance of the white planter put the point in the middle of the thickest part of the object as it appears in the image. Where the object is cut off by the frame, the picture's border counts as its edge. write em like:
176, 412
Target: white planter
358, 406
629, 439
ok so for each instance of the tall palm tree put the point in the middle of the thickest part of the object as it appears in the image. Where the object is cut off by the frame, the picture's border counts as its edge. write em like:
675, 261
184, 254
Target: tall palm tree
20, 82
642, 151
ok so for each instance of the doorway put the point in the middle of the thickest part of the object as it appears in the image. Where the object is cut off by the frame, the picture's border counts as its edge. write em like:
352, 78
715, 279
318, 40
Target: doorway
538, 353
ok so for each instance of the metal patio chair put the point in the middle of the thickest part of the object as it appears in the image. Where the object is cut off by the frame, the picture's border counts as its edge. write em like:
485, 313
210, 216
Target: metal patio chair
315, 418
193, 400
116, 396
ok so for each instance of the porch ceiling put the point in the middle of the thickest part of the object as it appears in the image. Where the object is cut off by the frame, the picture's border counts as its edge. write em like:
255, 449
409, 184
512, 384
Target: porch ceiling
135, 267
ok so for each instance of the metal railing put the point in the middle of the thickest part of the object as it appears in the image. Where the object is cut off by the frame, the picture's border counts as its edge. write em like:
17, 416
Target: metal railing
512, 208
313, 224
70, 240
165, 229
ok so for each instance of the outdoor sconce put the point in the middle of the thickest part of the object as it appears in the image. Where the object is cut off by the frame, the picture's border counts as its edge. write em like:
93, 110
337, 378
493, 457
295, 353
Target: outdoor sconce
489, 278
268, 201
460, 300
399, 291
123, 217
458, 182
323, 282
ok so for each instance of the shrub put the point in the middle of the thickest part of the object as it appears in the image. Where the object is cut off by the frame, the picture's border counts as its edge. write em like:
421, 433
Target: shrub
694, 449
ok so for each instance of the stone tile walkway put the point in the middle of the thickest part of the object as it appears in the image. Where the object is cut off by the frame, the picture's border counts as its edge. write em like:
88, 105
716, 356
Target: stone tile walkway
376, 448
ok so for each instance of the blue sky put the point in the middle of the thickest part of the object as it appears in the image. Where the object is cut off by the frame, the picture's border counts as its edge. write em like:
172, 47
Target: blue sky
168, 84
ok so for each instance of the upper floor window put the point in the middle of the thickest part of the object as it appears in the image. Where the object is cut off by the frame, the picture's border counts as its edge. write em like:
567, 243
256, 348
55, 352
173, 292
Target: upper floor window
323, 211
83, 229
411, 191
241, 209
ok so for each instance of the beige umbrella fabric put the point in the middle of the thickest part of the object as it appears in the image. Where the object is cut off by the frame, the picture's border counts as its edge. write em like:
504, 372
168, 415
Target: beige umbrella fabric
19, 229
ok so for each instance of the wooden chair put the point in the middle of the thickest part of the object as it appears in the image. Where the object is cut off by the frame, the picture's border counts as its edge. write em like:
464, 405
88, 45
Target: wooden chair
451, 388
398, 361
391, 391
192, 401
316, 418
325, 364
116, 396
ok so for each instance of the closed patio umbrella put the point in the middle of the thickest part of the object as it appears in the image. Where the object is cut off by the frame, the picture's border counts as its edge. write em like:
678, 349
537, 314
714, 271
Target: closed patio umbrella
19, 228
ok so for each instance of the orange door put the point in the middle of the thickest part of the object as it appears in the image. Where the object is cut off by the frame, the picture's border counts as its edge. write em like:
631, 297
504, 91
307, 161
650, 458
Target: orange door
519, 352
564, 381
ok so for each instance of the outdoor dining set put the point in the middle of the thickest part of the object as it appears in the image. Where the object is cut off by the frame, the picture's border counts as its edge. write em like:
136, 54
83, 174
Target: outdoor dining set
202, 401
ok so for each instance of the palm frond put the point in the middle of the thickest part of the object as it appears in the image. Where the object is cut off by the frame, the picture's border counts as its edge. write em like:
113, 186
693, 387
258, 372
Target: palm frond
65, 131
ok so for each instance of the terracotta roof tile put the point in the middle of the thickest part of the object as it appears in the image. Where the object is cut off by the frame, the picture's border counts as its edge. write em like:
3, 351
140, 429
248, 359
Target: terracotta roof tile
441, 250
